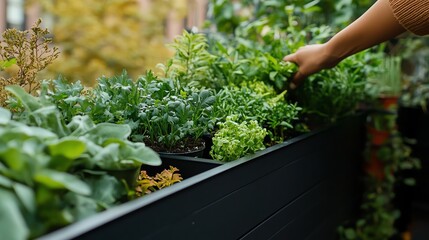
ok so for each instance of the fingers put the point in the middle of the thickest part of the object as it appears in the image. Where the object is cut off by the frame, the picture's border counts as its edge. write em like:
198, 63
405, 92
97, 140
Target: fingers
297, 79
298, 76
290, 58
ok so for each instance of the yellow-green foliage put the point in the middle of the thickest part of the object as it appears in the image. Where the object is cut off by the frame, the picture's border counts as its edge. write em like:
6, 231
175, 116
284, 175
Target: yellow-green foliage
105, 37
147, 184
29, 52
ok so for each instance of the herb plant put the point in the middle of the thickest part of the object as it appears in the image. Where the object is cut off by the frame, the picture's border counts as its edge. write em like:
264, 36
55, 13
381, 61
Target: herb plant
70, 98
191, 62
234, 140
257, 101
116, 99
334, 93
172, 115
164, 113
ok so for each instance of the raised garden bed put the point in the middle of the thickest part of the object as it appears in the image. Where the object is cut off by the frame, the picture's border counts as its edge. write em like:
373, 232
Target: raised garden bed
300, 189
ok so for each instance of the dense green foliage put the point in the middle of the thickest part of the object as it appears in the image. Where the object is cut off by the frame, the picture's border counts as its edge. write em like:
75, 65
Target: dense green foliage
53, 174
163, 113
234, 139
59, 152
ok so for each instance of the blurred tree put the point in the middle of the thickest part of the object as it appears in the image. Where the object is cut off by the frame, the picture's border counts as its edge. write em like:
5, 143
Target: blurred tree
105, 37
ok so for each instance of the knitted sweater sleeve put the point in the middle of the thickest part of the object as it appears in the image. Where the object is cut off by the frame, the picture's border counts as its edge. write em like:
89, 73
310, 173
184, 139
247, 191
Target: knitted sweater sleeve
413, 15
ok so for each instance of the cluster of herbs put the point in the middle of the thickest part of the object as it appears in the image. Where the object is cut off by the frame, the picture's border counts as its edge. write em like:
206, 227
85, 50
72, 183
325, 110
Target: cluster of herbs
250, 79
191, 63
246, 80
53, 173
163, 113
235, 139
241, 59
172, 115
258, 44
268, 108
334, 93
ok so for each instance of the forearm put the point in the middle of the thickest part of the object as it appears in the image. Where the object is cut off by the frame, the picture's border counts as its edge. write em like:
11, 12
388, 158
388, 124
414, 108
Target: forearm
375, 26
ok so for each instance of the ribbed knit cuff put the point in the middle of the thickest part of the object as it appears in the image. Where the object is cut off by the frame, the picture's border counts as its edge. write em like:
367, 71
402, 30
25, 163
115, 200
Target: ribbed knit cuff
413, 15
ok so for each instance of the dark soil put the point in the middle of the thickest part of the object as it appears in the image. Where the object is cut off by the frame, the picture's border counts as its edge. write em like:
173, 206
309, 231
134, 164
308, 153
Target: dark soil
186, 146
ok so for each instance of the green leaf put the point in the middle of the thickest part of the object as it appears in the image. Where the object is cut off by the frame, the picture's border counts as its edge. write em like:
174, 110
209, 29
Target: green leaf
108, 158
410, 181
7, 63
5, 116
12, 223
273, 75
80, 125
30, 103
109, 130
68, 148
5, 182
26, 196
350, 233
142, 154
60, 180
14, 158
81, 206
360, 223
107, 189
38, 132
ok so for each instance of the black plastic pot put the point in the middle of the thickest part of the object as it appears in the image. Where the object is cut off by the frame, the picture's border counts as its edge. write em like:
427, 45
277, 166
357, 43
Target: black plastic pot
303, 188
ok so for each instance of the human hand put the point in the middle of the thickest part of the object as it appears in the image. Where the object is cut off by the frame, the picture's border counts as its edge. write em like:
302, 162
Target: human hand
310, 59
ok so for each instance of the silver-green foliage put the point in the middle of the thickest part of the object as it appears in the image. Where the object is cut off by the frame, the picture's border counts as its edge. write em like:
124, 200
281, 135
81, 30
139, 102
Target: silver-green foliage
53, 174
170, 113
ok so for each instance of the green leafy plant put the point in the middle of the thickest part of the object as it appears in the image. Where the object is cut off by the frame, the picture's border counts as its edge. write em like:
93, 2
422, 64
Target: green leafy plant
116, 99
234, 140
163, 113
191, 62
70, 98
53, 174
334, 93
247, 60
172, 115
260, 102
147, 184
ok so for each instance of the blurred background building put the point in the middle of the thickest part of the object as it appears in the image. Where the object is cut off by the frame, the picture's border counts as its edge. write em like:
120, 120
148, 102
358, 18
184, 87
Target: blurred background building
98, 38
17, 14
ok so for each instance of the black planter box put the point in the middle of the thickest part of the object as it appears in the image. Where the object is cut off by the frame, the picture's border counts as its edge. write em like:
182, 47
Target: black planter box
413, 123
301, 189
